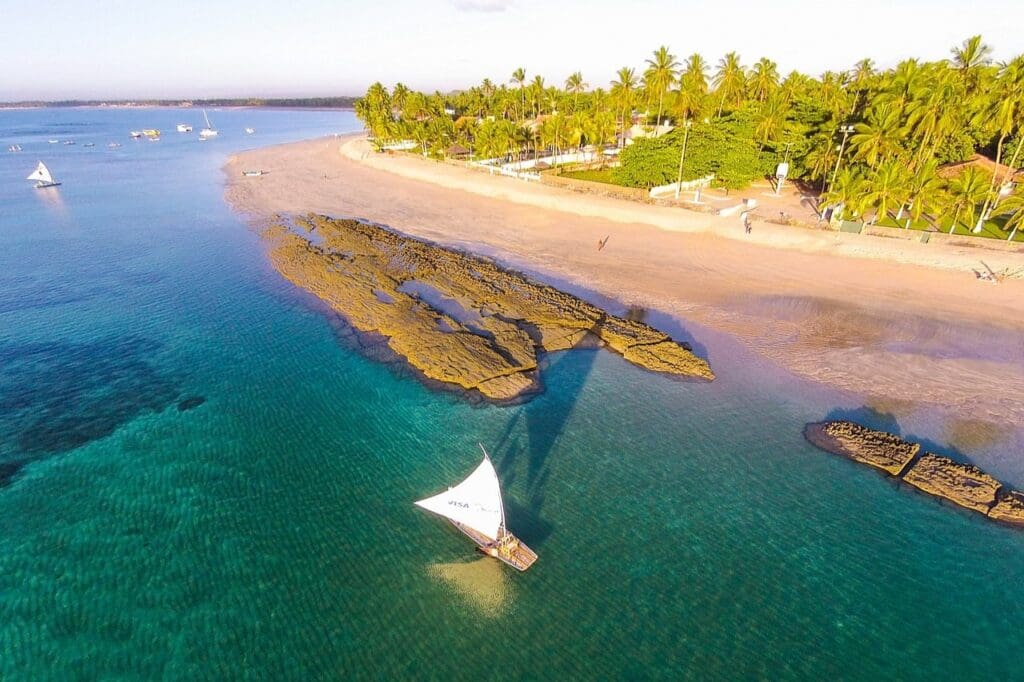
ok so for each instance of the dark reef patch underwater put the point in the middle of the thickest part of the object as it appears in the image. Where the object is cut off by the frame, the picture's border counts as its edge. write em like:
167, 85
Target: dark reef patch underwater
55, 397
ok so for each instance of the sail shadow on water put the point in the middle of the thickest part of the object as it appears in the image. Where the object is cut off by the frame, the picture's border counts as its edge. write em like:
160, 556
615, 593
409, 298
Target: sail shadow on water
545, 419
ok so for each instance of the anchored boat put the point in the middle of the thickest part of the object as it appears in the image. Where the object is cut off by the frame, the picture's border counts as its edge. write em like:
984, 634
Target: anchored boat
209, 131
184, 128
42, 177
475, 507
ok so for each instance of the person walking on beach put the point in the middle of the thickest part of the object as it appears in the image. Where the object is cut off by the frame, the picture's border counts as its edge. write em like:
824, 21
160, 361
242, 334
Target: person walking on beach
745, 217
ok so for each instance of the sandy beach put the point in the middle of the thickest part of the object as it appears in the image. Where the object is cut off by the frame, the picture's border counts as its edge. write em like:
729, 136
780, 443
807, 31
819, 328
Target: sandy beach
898, 322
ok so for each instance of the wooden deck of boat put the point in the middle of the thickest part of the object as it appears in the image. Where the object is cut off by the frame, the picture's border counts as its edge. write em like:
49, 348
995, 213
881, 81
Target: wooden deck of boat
519, 556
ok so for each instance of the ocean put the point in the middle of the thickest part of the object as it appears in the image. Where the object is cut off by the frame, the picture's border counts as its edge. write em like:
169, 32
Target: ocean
201, 478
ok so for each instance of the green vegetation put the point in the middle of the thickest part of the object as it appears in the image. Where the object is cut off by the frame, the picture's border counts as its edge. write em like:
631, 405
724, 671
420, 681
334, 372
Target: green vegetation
878, 145
605, 175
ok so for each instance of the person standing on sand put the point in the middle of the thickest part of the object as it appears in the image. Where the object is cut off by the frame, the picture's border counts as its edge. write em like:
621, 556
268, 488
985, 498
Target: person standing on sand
745, 217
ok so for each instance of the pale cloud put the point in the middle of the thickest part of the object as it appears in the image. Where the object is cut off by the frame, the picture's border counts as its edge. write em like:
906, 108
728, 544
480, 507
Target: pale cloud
482, 5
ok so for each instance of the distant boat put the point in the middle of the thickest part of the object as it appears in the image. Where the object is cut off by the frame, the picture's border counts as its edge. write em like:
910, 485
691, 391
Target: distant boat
209, 131
184, 128
14, 148
53, 141
253, 173
42, 177
89, 144
475, 507
69, 142
114, 145
151, 133
136, 134
250, 131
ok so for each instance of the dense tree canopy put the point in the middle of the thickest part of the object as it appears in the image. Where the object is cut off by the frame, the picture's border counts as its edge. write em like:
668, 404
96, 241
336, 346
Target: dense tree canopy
894, 130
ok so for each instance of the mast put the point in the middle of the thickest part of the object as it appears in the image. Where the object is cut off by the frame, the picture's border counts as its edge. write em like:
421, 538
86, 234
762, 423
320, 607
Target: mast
501, 501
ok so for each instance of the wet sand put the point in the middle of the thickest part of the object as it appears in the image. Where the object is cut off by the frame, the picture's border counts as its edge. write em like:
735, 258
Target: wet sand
894, 321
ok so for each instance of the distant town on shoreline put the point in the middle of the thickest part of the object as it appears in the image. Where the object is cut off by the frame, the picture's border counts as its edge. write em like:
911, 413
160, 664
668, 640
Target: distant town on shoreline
306, 102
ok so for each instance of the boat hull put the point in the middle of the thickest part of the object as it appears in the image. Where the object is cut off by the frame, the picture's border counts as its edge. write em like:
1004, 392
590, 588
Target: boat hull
46, 185
509, 550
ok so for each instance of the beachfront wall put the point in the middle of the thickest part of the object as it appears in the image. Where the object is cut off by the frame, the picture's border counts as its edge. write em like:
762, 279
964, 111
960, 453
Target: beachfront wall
589, 187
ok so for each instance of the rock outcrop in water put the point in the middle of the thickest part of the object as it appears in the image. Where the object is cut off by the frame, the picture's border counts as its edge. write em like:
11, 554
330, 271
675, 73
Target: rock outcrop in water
458, 319
963, 484
876, 448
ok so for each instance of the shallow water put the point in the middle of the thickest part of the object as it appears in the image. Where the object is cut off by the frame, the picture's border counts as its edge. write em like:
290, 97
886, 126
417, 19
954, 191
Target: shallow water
199, 481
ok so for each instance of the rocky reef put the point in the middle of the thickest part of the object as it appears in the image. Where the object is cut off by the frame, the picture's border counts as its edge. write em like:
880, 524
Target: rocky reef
458, 319
876, 448
962, 484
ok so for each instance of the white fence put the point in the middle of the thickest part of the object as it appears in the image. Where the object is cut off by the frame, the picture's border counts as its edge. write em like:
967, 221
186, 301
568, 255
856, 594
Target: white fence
681, 186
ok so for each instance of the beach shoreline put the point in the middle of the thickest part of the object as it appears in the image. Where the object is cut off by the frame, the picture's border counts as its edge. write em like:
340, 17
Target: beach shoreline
895, 321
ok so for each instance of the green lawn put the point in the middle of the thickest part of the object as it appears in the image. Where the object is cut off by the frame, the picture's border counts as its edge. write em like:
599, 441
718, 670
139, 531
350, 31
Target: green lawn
604, 175
991, 229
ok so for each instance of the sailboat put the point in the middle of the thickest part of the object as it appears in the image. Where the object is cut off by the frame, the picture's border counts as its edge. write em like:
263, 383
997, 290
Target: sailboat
475, 507
209, 131
42, 177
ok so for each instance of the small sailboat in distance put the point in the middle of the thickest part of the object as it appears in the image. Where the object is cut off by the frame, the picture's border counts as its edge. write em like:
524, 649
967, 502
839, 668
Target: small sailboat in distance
209, 131
42, 177
475, 507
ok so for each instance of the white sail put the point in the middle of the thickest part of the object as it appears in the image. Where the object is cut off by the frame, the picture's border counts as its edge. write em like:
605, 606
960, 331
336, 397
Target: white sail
41, 173
476, 502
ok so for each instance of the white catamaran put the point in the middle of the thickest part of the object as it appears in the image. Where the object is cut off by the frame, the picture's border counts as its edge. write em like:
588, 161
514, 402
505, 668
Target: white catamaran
475, 507
42, 177
209, 131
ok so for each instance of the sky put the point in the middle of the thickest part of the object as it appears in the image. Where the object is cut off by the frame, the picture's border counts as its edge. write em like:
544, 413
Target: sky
101, 49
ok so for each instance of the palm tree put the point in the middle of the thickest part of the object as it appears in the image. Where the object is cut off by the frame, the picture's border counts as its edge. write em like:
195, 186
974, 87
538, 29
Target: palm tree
966, 191
905, 85
764, 78
574, 84
1013, 207
969, 59
537, 93
1005, 112
924, 193
847, 192
878, 138
820, 161
863, 72
623, 93
519, 78
832, 95
771, 119
886, 188
660, 74
932, 114
729, 80
693, 87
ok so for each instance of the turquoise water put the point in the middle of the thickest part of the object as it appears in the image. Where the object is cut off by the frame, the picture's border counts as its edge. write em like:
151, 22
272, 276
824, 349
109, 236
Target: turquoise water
201, 479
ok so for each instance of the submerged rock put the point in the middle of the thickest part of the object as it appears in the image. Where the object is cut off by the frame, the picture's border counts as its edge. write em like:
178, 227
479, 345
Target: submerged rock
484, 332
963, 484
879, 449
1009, 508
190, 403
